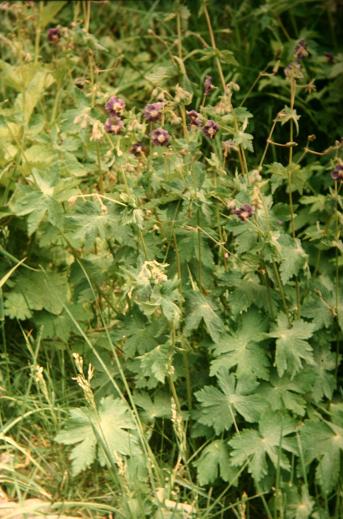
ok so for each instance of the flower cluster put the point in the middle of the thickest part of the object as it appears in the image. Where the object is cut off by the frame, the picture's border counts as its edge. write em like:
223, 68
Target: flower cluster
208, 85
244, 212
301, 50
114, 124
194, 118
115, 107
137, 149
210, 128
160, 137
54, 35
337, 173
153, 111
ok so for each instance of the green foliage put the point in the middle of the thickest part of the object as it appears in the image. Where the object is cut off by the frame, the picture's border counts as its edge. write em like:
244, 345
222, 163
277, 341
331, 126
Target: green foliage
100, 434
199, 278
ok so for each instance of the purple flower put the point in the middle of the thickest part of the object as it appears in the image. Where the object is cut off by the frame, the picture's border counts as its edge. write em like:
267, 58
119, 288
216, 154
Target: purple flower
54, 34
330, 58
115, 105
153, 111
194, 118
293, 71
114, 125
210, 128
208, 85
301, 50
337, 173
160, 137
138, 149
244, 212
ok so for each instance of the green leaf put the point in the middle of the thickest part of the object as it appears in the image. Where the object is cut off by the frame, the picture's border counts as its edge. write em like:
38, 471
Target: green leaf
49, 11
269, 442
203, 309
90, 221
42, 200
158, 407
100, 434
241, 350
27, 101
155, 363
323, 442
43, 290
219, 406
79, 431
16, 306
215, 461
293, 258
323, 382
138, 335
283, 393
291, 347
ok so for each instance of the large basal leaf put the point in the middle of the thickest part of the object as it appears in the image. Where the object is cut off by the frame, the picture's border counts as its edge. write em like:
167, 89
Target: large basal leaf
292, 349
42, 290
241, 350
213, 462
323, 442
203, 309
220, 406
100, 434
255, 447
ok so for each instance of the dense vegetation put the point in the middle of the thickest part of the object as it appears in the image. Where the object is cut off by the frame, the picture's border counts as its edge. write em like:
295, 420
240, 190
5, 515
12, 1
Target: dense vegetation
171, 300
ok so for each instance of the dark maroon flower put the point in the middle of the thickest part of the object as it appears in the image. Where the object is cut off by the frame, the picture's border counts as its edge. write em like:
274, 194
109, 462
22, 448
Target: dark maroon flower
337, 173
153, 111
244, 212
208, 85
114, 125
293, 70
330, 58
210, 128
54, 34
160, 137
301, 50
194, 118
138, 149
115, 105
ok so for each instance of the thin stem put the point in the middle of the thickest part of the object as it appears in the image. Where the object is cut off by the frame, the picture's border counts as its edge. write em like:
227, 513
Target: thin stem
281, 290
38, 33
269, 141
241, 154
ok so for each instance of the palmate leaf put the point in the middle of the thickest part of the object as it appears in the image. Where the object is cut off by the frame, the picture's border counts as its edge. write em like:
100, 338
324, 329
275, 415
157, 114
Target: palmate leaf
43, 290
100, 434
246, 292
138, 334
203, 309
42, 200
90, 220
324, 382
241, 350
15, 306
323, 441
215, 461
291, 347
284, 393
155, 363
219, 406
255, 447
293, 258
158, 407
